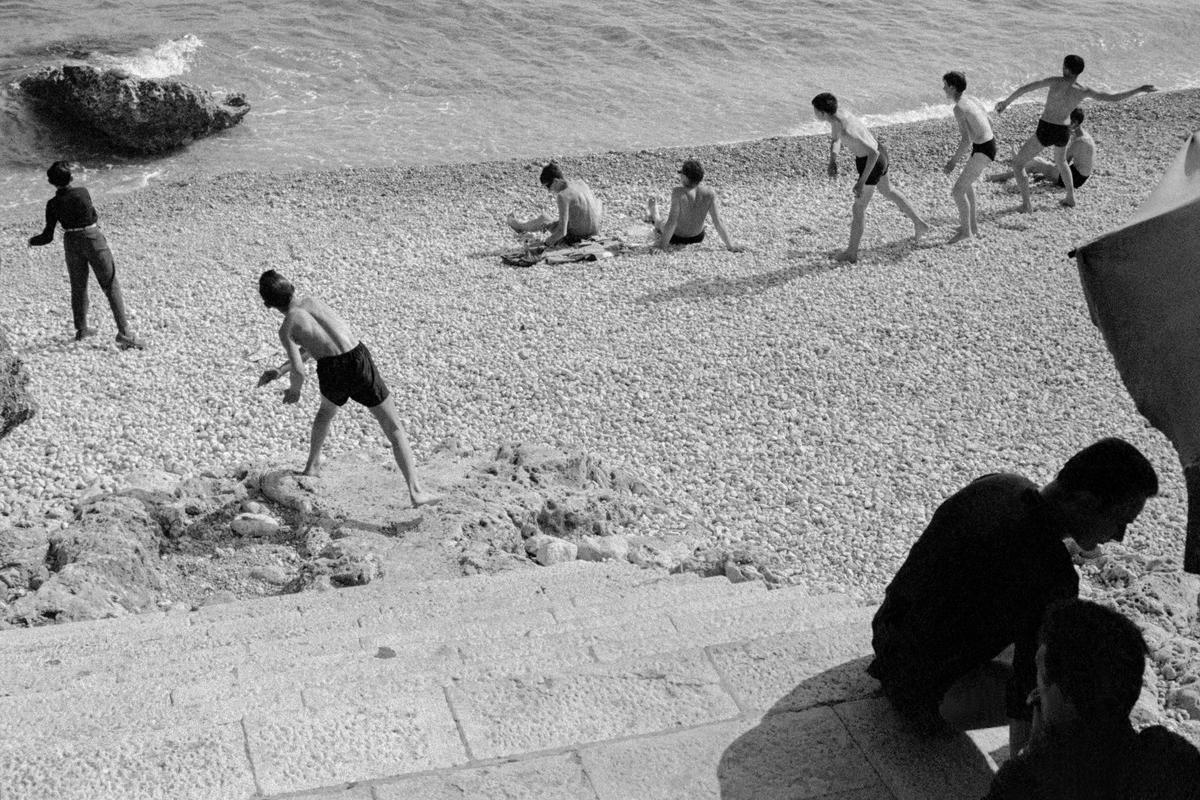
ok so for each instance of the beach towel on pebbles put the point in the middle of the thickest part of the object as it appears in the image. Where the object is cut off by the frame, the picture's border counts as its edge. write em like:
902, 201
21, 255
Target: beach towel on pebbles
593, 248
1142, 283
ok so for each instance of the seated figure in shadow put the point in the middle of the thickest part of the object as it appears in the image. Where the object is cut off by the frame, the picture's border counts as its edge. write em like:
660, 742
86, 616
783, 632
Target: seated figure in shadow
1089, 675
980, 577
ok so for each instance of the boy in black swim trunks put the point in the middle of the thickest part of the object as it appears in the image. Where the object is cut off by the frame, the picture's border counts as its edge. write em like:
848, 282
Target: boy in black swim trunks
871, 161
345, 370
977, 137
1064, 95
1081, 153
691, 204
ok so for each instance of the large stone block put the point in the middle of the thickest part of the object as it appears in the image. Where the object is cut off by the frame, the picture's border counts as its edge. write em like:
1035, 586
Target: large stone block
16, 404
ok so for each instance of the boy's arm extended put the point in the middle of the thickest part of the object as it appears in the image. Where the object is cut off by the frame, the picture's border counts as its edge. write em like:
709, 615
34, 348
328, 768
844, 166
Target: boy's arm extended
1116, 97
1044, 83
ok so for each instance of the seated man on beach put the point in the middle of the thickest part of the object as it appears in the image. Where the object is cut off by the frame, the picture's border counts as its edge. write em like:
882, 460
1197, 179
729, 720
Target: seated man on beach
1081, 154
345, 370
579, 211
1090, 661
83, 244
690, 204
871, 160
1053, 129
981, 575
977, 138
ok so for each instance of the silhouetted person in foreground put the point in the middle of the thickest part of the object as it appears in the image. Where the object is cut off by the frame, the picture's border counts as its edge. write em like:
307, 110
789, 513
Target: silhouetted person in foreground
84, 245
986, 568
1089, 675
345, 370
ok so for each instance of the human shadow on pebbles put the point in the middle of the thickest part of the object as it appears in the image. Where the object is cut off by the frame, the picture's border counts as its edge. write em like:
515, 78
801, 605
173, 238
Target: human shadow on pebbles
719, 286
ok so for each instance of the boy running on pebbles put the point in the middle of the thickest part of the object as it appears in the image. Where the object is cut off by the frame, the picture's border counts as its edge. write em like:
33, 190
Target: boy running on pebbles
871, 159
344, 370
1053, 129
977, 137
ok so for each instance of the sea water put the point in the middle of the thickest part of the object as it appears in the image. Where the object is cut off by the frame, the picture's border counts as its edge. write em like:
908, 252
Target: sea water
336, 83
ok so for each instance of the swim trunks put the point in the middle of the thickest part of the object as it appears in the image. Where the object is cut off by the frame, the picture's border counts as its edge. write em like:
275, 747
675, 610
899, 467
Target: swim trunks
881, 166
697, 239
1050, 134
1077, 178
988, 148
351, 375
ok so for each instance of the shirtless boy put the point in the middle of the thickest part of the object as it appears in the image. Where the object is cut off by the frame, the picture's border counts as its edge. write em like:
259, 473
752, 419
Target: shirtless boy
690, 204
978, 139
871, 160
344, 370
579, 211
1081, 156
1053, 130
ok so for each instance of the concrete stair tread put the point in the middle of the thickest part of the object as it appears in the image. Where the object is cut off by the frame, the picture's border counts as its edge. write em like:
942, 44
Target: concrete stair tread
554, 679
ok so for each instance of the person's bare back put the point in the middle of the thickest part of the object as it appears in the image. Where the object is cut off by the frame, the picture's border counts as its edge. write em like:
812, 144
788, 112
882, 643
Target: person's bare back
317, 328
854, 134
694, 204
974, 116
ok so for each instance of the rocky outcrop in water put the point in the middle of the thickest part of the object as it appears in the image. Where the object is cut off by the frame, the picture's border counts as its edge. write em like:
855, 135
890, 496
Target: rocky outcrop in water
16, 406
135, 115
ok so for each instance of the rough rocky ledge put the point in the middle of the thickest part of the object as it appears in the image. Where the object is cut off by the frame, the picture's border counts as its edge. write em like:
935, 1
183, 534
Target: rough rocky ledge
136, 115
16, 405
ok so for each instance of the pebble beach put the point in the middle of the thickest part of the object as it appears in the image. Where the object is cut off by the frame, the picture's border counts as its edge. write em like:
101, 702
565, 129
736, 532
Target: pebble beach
811, 411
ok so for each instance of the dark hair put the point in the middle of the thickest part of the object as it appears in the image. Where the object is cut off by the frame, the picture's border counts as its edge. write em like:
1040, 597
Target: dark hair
59, 173
276, 290
957, 80
825, 103
1073, 64
1077, 116
1096, 658
1111, 469
550, 173
693, 170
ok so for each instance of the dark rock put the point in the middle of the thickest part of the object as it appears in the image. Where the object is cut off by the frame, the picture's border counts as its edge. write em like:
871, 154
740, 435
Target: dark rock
16, 406
136, 115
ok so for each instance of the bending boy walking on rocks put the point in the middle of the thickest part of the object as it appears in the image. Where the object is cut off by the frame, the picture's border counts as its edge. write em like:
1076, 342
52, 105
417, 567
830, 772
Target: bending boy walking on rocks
981, 575
345, 370
871, 160
1053, 129
84, 245
977, 137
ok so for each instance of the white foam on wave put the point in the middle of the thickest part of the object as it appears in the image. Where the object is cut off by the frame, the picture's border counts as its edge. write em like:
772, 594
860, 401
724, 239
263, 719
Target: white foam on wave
171, 58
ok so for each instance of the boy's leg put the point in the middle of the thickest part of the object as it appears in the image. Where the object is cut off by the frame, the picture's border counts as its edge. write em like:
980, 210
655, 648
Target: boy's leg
389, 420
535, 225
1042, 168
1064, 171
320, 429
1028, 150
653, 215
920, 227
106, 276
857, 223
77, 271
964, 196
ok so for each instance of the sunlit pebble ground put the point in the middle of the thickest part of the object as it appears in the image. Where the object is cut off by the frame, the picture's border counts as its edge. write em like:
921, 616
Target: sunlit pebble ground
816, 412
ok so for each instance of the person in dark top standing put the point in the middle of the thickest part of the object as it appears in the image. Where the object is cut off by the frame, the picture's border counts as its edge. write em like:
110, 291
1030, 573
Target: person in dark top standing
1089, 675
84, 245
983, 572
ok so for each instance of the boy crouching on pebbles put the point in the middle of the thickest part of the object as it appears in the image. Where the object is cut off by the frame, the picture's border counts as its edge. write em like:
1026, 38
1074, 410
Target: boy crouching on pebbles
344, 370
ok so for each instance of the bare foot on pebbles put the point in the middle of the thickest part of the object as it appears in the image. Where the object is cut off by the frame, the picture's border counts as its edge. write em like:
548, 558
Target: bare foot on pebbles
424, 499
959, 236
847, 257
920, 228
